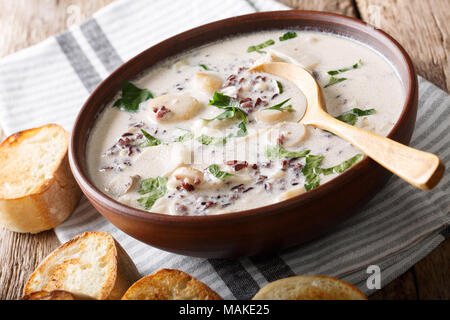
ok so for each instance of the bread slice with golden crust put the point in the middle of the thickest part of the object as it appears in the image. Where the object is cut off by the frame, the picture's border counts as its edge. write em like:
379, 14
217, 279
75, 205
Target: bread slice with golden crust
169, 284
309, 288
90, 266
49, 295
37, 188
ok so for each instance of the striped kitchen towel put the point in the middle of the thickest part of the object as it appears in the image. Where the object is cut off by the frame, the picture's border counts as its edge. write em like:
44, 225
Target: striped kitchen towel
50, 81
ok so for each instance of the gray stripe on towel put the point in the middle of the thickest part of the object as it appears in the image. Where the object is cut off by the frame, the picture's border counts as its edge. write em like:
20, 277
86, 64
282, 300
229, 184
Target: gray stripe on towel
101, 45
78, 60
236, 277
272, 267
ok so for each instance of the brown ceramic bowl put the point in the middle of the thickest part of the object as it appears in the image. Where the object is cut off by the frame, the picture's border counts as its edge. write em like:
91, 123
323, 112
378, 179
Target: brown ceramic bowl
267, 228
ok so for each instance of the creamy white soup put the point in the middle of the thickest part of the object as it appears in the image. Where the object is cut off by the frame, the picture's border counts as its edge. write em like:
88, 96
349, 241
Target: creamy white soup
199, 135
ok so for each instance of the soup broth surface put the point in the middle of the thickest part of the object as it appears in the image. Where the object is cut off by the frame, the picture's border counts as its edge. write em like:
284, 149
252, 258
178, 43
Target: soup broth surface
212, 138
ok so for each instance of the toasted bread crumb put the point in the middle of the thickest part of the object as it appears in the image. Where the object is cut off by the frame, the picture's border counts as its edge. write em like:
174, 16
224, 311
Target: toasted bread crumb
90, 266
52, 295
309, 288
37, 188
169, 284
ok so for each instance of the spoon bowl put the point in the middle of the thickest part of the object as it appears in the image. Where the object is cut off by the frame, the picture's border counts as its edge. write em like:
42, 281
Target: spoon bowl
421, 169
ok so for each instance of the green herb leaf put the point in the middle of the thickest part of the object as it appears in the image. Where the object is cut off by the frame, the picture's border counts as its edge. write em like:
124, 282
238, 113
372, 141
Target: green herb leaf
332, 73
214, 170
334, 80
151, 140
312, 178
279, 86
220, 100
204, 66
312, 172
207, 140
232, 110
242, 129
280, 107
241, 115
278, 152
185, 137
153, 188
132, 96
342, 166
351, 116
224, 115
288, 35
361, 113
260, 46
355, 66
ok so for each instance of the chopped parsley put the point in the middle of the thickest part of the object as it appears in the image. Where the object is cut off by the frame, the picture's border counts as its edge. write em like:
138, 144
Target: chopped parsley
242, 130
151, 140
153, 188
334, 80
278, 152
260, 46
215, 171
351, 116
279, 86
185, 137
312, 179
332, 73
342, 166
205, 67
288, 35
131, 97
231, 111
355, 66
208, 140
312, 172
280, 107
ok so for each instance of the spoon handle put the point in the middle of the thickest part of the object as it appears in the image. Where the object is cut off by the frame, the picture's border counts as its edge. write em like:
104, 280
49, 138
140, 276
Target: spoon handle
421, 169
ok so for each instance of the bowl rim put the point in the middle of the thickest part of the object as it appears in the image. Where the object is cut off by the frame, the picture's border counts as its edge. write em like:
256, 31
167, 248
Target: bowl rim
410, 86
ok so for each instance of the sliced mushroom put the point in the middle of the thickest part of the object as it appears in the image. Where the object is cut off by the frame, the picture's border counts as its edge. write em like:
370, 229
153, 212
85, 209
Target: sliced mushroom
207, 82
271, 116
132, 183
123, 184
173, 108
291, 193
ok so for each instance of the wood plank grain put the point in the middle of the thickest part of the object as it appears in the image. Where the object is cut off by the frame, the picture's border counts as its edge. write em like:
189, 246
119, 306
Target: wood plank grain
20, 254
425, 37
402, 288
22, 24
432, 274
344, 7
421, 27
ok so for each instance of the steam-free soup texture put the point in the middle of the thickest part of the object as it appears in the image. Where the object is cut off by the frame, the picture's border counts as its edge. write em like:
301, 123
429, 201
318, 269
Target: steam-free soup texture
197, 134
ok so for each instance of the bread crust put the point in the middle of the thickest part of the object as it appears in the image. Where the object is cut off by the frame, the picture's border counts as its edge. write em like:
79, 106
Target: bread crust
315, 287
121, 272
47, 204
169, 284
52, 295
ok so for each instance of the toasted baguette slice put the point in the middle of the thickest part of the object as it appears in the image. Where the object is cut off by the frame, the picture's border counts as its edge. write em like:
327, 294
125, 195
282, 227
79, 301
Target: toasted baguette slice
52, 295
37, 188
309, 288
168, 284
90, 266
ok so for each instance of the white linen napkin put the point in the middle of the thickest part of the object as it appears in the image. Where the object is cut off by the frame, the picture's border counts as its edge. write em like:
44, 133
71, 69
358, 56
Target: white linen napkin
50, 81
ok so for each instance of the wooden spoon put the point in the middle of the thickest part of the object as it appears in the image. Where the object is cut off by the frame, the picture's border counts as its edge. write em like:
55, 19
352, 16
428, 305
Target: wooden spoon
419, 168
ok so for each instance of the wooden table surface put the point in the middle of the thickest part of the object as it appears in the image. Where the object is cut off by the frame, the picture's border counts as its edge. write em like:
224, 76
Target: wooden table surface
422, 27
